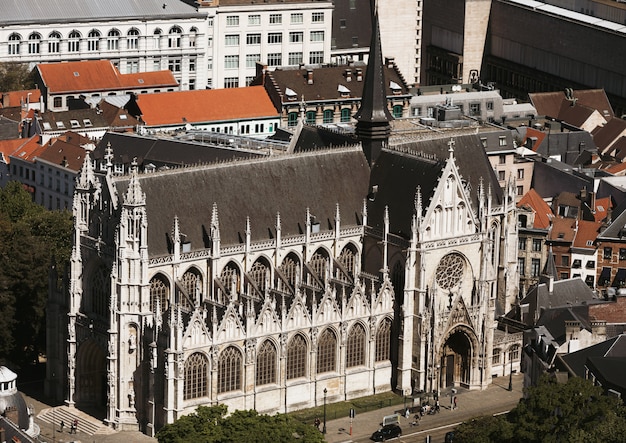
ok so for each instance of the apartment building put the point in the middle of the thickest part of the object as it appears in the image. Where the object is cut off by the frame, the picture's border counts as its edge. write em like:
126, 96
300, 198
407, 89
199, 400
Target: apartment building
242, 33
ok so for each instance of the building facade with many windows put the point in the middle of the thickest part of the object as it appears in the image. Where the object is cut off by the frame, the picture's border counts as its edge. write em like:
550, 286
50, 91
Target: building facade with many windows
243, 33
150, 36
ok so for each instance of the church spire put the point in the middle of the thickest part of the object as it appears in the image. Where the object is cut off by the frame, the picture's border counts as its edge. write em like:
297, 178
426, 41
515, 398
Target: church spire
373, 116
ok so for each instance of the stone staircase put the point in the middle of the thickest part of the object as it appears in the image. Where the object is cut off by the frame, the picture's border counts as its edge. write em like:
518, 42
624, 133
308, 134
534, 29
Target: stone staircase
86, 423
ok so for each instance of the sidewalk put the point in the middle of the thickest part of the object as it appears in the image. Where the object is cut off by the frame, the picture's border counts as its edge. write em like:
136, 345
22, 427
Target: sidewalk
496, 398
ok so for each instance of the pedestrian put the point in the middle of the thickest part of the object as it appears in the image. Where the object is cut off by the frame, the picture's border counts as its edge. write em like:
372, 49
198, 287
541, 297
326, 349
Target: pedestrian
455, 402
406, 413
317, 423
62, 425
437, 405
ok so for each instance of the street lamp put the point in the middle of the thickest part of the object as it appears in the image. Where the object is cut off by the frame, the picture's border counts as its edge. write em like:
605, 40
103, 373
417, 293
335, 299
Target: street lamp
324, 428
511, 372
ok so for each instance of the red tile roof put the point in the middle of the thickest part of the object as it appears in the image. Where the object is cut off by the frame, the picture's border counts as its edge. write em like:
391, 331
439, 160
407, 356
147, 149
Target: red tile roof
543, 213
539, 135
602, 206
16, 98
563, 229
61, 152
23, 148
206, 105
98, 75
587, 232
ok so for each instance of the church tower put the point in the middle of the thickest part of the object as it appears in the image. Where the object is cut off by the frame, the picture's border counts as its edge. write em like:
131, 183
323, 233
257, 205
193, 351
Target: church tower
373, 116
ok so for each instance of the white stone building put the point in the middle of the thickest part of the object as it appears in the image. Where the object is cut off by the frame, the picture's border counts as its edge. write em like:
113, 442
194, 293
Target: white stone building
242, 33
151, 35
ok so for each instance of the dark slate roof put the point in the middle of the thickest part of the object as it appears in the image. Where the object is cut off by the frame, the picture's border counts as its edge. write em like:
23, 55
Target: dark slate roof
570, 146
326, 81
576, 360
318, 137
549, 103
554, 320
79, 115
397, 176
607, 134
259, 189
400, 171
9, 129
616, 229
609, 371
551, 177
164, 151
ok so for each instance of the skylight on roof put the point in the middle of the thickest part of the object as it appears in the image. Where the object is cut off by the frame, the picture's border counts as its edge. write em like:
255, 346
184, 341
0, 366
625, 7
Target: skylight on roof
343, 89
47, 126
394, 85
87, 123
600, 208
60, 125
76, 74
74, 123
140, 80
123, 117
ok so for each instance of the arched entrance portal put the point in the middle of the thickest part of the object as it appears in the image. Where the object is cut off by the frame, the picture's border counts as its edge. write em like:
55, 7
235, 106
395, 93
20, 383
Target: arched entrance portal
90, 376
456, 360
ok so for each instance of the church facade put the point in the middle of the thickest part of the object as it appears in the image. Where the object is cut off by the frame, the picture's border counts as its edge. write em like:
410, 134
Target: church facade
283, 282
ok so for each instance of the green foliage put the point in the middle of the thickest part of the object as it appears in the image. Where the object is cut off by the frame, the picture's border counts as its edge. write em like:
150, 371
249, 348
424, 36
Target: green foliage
15, 77
211, 425
31, 240
572, 412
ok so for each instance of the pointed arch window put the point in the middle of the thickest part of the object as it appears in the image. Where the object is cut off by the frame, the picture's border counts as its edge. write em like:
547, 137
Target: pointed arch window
327, 352
289, 269
196, 376
383, 340
355, 346
100, 285
34, 43
319, 263
230, 280
296, 357
229, 369
347, 258
259, 273
266, 364
159, 294
191, 285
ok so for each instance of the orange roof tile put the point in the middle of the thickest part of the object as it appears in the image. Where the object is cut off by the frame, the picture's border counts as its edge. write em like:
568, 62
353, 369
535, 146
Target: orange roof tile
602, 207
543, 213
170, 108
16, 98
587, 232
563, 229
617, 169
27, 149
539, 135
97, 75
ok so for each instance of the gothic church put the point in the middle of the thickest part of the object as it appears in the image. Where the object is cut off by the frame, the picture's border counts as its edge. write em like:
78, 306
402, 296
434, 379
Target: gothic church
273, 283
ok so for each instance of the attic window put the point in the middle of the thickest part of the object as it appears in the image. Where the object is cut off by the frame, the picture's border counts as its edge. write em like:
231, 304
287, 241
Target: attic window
395, 88
76, 74
123, 117
343, 91
47, 126
74, 123
87, 123
140, 80
60, 125
561, 235
600, 208
291, 94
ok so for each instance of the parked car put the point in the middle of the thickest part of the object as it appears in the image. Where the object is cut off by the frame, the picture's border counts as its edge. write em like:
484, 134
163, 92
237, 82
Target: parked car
387, 432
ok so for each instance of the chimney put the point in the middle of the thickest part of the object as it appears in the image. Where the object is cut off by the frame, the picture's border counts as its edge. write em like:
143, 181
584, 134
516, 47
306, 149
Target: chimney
359, 74
309, 76
389, 61
348, 75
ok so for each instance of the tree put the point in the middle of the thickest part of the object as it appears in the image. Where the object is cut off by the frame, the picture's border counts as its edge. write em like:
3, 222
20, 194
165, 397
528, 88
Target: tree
576, 411
31, 240
211, 425
16, 77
